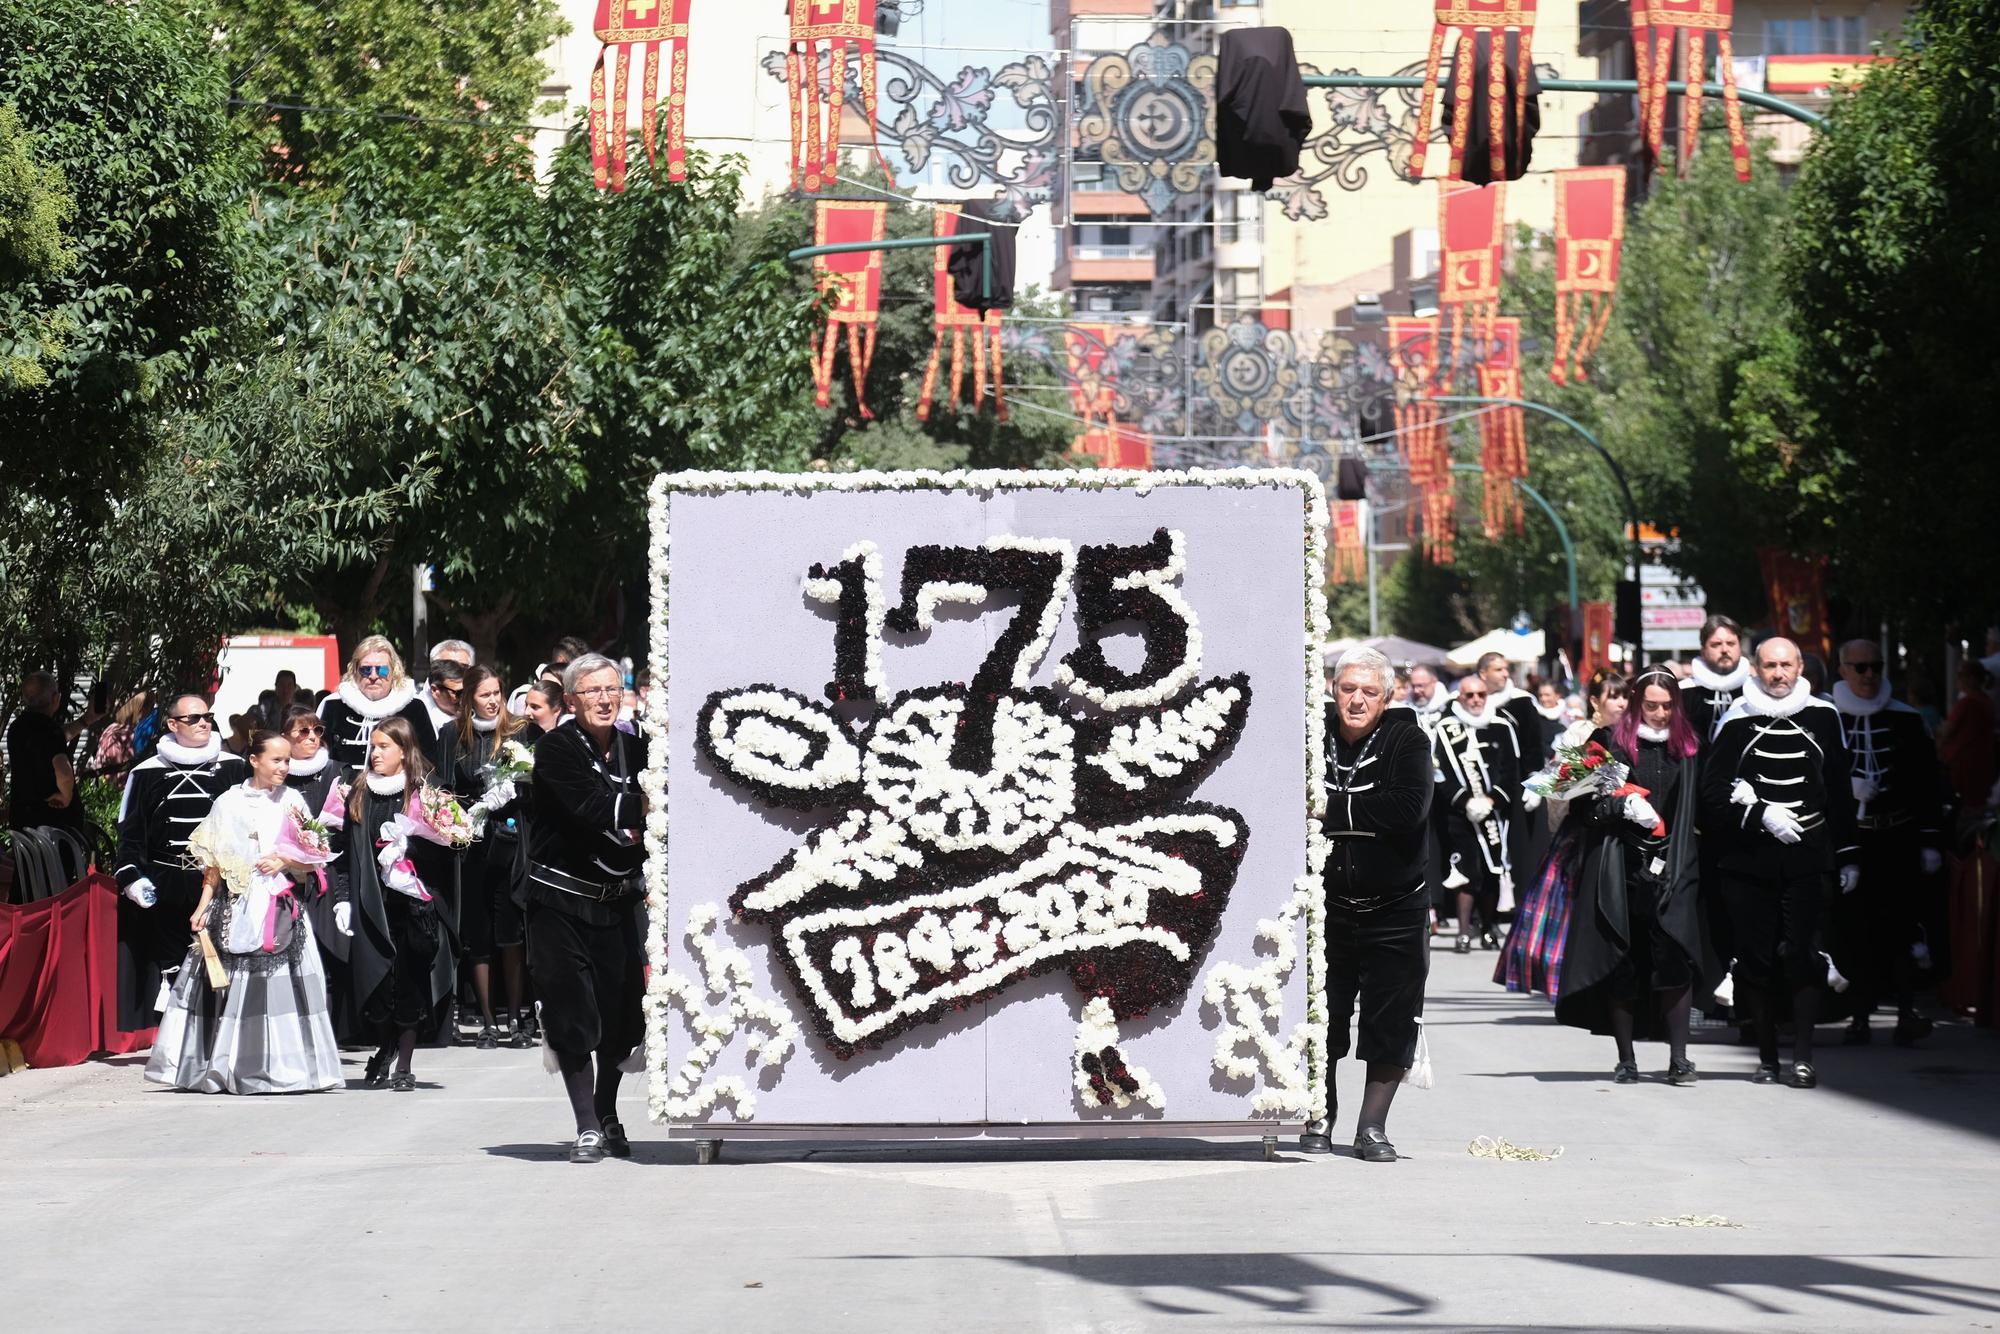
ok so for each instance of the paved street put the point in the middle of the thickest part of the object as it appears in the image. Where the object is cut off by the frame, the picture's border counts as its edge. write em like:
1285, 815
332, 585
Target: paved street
1866, 1205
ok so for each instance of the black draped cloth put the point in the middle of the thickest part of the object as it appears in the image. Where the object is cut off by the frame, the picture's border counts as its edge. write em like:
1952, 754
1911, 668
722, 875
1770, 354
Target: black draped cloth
1261, 116
1636, 923
964, 263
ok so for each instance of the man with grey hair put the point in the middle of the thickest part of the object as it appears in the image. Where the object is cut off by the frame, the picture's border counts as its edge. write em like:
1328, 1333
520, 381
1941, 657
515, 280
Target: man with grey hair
1378, 794
1778, 801
583, 900
1878, 930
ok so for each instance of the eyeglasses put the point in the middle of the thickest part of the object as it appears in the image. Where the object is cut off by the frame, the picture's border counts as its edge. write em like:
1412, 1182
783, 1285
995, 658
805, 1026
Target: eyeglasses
451, 691
1472, 694
600, 692
382, 672
1868, 668
194, 719
308, 729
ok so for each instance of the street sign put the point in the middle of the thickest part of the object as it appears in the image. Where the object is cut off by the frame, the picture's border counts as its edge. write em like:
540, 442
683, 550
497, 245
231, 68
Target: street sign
1671, 610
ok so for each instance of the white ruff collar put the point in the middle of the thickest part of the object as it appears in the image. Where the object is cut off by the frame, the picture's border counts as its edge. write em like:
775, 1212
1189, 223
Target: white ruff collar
1553, 714
307, 768
1652, 734
1708, 679
173, 752
1494, 699
486, 724
377, 709
250, 789
1470, 720
1438, 700
1854, 706
1764, 706
387, 785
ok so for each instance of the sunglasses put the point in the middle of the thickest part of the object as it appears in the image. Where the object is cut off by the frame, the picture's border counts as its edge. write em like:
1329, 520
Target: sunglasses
194, 719
308, 729
382, 672
1868, 668
1472, 694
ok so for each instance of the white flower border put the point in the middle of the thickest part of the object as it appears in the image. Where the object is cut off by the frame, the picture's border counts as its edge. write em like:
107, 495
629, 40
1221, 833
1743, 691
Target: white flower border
1312, 492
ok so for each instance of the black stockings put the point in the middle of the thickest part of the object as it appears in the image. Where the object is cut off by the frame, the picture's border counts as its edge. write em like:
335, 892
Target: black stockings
1673, 1009
1377, 1094
592, 1100
404, 1044
1764, 1018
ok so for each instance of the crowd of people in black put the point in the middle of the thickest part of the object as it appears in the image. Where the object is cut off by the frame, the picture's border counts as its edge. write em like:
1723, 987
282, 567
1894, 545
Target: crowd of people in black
350, 870
1754, 849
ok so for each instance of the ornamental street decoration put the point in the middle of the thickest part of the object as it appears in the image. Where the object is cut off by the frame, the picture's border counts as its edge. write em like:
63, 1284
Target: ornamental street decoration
1472, 20
852, 280
844, 26
990, 786
1149, 115
1350, 543
1091, 370
1503, 431
985, 127
1655, 24
1590, 235
622, 25
954, 322
1472, 233
1414, 355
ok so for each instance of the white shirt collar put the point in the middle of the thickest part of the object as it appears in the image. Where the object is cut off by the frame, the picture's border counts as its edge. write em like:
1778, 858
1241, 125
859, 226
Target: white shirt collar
387, 785
1854, 706
1709, 679
173, 752
1655, 735
308, 768
377, 709
1755, 701
1439, 699
1554, 713
1471, 720
485, 724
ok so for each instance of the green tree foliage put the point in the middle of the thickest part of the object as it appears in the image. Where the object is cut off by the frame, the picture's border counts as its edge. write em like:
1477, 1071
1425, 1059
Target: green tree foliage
34, 205
520, 359
400, 86
1877, 407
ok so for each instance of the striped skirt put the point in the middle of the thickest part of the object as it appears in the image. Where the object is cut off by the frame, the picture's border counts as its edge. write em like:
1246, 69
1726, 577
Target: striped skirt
1531, 961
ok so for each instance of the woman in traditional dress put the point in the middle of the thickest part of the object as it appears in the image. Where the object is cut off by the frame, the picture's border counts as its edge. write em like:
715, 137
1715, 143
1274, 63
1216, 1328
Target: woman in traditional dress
267, 1029
375, 688
490, 875
1533, 958
399, 875
1636, 952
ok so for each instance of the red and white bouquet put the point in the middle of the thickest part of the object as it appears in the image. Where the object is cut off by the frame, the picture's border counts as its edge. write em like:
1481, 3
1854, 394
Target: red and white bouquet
306, 840
1582, 767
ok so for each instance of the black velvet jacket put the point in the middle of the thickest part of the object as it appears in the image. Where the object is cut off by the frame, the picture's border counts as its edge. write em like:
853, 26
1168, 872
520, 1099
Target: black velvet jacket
587, 812
1378, 800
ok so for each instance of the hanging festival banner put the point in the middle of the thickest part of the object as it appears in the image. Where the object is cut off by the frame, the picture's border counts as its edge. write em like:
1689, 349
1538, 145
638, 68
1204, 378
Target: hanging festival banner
1350, 550
1797, 589
1413, 356
622, 25
853, 280
1090, 368
1472, 227
1590, 233
954, 320
1598, 628
1655, 24
1503, 431
1471, 19
841, 25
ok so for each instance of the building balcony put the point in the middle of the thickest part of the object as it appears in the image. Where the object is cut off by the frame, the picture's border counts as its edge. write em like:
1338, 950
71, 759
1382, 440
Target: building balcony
1083, 270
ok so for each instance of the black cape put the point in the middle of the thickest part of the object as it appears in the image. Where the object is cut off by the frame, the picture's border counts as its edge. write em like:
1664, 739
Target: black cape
1477, 168
981, 216
1261, 116
1601, 919
380, 935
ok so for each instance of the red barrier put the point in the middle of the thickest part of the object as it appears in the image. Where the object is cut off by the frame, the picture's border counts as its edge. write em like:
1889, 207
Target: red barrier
59, 975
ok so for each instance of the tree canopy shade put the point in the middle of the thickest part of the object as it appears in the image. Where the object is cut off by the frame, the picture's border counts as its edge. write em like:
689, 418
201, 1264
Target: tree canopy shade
409, 86
34, 205
1877, 405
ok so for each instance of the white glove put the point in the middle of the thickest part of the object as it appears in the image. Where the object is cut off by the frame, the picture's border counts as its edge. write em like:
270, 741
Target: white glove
1478, 808
1850, 879
499, 794
343, 918
1933, 861
141, 892
1864, 788
1781, 824
1640, 811
1530, 799
1742, 794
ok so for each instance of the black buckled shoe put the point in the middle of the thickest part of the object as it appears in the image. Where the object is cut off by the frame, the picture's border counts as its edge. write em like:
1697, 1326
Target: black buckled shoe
615, 1142
487, 1039
1912, 1029
589, 1148
376, 1075
1488, 940
402, 1082
1681, 1072
1463, 945
1625, 1072
1371, 1145
1802, 1076
1767, 1073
